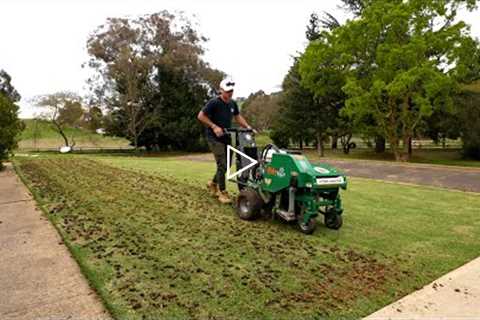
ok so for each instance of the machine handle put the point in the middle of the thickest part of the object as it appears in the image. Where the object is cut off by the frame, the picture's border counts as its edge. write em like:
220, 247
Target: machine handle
237, 130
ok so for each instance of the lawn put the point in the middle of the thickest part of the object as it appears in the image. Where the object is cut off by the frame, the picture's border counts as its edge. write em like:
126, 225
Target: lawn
154, 244
40, 135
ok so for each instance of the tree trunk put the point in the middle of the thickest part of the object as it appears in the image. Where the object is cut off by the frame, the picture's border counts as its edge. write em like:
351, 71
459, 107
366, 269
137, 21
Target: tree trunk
394, 146
379, 144
334, 142
410, 148
60, 131
135, 142
320, 148
301, 143
346, 144
404, 154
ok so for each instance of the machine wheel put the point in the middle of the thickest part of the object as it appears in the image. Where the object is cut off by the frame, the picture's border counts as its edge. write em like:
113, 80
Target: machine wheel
268, 206
333, 221
249, 204
308, 227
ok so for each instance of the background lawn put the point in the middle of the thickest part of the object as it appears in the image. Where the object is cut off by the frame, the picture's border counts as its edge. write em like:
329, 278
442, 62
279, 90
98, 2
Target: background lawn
154, 243
40, 135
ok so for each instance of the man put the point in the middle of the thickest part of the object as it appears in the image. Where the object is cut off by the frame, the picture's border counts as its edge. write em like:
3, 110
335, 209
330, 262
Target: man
216, 116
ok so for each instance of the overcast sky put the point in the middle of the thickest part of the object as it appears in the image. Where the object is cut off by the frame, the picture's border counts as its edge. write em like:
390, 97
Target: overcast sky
43, 43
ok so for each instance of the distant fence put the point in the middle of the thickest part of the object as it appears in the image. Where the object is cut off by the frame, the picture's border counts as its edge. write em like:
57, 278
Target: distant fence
416, 144
83, 149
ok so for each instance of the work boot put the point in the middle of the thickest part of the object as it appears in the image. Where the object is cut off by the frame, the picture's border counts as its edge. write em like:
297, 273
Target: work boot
224, 198
213, 188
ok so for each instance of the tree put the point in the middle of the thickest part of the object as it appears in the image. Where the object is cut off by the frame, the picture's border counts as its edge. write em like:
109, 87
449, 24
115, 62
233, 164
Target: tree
7, 88
132, 57
10, 124
179, 96
72, 114
292, 121
260, 108
468, 113
405, 60
329, 77
62, 110
355, 6
93, 119
314, 114
441, 125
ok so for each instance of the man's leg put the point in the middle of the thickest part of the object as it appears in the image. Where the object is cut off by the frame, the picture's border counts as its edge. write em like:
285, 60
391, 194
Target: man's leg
219, 151
213, 185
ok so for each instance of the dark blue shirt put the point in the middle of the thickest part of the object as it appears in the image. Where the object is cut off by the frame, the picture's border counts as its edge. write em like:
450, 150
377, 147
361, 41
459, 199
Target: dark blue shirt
221, 114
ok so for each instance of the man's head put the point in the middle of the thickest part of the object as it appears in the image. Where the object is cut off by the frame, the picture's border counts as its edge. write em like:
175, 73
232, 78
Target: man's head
226, 89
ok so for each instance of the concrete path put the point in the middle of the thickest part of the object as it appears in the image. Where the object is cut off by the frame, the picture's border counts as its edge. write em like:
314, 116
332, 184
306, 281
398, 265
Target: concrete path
454, 296
38, 277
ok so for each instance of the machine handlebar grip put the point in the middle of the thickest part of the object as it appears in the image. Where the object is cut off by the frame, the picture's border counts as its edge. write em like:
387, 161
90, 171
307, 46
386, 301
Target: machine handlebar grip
236, 130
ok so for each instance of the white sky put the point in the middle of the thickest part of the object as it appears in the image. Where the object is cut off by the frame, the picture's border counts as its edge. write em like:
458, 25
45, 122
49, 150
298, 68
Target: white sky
43, 42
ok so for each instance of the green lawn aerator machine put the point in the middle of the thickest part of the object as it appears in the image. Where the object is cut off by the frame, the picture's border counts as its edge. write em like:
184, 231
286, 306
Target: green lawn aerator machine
285, 184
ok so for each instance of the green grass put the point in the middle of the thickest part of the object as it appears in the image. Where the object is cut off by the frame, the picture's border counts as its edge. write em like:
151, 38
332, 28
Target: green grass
40, 134
263, 139
154, 244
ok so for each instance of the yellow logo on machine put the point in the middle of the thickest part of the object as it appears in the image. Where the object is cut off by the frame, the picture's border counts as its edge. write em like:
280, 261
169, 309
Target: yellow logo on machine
271, 171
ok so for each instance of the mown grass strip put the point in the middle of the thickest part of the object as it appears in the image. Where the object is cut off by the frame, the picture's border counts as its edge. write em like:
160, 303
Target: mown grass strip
154, 247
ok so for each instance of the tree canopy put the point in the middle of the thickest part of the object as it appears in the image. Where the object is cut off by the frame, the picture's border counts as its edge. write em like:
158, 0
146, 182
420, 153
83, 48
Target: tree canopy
63, 110
10, 124
151, 77
399, 60
260, 109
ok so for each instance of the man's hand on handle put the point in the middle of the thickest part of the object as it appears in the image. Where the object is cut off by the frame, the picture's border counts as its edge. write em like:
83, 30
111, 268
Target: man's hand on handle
218, 131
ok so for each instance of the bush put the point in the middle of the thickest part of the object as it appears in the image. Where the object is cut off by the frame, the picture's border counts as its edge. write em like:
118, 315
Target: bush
10, 127
280, 138
469, 114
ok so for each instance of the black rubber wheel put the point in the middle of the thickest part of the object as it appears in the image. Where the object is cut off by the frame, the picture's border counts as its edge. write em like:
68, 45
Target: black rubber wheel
267, 207
309, 227
333, 221
249, 204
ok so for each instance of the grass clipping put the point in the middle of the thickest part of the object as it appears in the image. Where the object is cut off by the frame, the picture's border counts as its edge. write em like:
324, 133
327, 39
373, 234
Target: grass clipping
155, 247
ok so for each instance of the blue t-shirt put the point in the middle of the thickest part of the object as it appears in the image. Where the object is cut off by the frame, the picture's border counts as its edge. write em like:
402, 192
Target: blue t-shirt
221, 114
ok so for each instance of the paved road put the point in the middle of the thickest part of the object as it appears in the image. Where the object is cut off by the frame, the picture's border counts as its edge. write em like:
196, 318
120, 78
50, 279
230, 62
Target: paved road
464, 179
458, 178
38, 277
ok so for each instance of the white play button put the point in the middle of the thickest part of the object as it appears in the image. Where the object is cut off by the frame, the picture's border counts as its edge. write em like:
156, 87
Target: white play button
231, 175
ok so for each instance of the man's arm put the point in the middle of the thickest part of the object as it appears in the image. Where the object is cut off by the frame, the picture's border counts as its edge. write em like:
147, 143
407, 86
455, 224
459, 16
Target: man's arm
203, 118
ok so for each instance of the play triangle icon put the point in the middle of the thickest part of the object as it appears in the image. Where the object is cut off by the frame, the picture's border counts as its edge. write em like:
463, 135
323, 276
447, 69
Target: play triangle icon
231, 150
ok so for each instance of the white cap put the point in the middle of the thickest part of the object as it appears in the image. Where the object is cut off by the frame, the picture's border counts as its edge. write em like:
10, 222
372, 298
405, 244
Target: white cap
227, 84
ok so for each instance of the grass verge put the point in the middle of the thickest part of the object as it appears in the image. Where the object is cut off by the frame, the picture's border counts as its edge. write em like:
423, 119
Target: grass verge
154, 245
